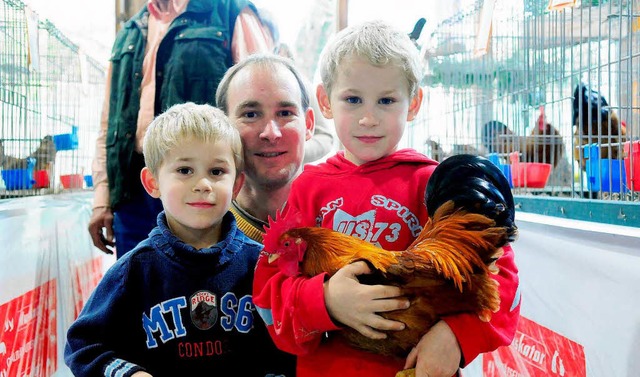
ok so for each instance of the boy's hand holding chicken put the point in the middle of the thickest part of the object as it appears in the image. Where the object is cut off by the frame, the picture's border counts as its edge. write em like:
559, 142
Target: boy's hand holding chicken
358, 306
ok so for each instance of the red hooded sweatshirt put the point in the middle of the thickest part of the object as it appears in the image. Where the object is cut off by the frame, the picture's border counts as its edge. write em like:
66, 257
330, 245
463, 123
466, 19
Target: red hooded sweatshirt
382, 202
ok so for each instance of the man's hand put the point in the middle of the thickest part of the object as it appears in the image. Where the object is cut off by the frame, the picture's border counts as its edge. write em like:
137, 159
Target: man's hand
102, 218
437, 354
357, 305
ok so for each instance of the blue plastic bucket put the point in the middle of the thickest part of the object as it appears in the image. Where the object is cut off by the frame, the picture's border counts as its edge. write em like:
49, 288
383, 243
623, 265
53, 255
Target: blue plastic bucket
506, 169
18, 179
603, 174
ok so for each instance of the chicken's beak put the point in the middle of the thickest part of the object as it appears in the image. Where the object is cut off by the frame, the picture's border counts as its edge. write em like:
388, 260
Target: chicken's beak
273, 257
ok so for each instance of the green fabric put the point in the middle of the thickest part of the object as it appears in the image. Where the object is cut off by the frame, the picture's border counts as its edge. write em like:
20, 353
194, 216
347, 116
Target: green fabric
192, 58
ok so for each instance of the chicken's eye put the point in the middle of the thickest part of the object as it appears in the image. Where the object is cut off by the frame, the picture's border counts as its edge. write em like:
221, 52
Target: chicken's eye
287, 243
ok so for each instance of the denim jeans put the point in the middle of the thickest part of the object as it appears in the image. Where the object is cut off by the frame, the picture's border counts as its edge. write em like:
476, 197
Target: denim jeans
134, 219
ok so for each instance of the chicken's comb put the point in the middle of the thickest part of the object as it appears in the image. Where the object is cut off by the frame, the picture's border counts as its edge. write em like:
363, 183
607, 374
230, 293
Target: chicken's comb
277, 226
542, 120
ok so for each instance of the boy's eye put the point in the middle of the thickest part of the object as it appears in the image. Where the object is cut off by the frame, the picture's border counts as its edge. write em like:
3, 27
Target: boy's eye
353, 100
386, 101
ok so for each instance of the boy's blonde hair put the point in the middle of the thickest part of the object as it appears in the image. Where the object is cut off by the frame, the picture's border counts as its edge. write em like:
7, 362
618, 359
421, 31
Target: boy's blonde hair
377, 42
189, 121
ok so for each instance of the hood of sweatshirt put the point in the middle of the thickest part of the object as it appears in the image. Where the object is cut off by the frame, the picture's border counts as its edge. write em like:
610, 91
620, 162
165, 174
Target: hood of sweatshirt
338, 164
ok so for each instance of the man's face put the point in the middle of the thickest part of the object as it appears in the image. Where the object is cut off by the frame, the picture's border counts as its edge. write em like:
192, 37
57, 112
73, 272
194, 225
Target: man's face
265, 105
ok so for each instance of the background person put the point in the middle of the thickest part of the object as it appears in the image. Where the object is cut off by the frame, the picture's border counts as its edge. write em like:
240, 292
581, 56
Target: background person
170, 52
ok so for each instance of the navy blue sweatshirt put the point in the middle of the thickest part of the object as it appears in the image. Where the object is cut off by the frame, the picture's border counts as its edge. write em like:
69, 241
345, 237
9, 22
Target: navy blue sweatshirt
172, 310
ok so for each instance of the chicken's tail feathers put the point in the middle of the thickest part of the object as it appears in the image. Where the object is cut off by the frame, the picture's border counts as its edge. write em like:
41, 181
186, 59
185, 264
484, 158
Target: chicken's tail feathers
277, 226
475, 184
459, 244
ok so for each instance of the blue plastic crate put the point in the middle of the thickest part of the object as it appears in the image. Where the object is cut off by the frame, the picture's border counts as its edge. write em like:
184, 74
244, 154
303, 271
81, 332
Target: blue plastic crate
65, 142
506, 169
603, 174
88, 180
20, 179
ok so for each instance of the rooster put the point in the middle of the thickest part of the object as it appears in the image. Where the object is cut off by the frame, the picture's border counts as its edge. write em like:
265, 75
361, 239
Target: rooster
446, 270
595, 122
544, 144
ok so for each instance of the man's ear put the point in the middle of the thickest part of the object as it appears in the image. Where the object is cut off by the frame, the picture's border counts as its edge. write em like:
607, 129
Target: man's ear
323, 102
414, 105
238, 184
309, 122
149, 182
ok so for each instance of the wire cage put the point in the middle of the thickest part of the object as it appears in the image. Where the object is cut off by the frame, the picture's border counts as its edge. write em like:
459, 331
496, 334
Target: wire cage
50, 101
548, 90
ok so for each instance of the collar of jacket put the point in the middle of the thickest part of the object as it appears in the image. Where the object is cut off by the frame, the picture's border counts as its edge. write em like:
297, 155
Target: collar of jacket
141, 19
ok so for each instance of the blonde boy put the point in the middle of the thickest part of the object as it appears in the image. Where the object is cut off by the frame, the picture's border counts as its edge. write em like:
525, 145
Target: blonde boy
372, 190
180, 302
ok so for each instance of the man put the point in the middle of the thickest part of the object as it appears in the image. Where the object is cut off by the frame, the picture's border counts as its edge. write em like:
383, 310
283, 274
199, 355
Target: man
172, 51
265, 97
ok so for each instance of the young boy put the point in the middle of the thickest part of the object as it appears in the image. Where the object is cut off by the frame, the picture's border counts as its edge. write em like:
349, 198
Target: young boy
372, 190
180, 303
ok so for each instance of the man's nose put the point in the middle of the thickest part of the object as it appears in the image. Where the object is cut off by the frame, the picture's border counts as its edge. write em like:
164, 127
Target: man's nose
271, 131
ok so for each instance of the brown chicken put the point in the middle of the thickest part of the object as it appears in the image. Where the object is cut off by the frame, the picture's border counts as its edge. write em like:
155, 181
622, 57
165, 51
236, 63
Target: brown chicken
446, 270
44, 154
544, 144
595, 122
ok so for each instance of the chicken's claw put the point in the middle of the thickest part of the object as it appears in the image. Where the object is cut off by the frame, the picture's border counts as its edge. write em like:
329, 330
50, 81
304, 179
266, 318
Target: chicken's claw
407, 373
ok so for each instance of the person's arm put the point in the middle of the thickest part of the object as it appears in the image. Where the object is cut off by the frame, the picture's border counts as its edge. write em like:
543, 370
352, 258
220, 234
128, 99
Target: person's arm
102, 217
298, 310
249, 36
457, 340
292, 308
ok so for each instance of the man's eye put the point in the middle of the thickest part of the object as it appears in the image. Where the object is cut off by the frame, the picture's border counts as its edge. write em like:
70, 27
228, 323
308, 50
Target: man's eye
250, 114
353, 100
285, 113
386, 101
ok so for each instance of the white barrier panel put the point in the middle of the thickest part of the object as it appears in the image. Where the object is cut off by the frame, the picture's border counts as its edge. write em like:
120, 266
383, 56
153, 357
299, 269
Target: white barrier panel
48, 268
580, 285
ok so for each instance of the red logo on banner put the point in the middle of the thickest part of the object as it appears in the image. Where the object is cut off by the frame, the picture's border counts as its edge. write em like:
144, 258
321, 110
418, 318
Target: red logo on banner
536, 351
86, 277
28, 340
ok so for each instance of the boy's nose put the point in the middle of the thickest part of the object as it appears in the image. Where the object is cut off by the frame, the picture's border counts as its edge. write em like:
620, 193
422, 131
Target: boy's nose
368, 119
204, 184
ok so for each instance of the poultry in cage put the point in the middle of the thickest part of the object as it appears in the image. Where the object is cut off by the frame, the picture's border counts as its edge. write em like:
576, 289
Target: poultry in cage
44, 154
595, 122
544, 144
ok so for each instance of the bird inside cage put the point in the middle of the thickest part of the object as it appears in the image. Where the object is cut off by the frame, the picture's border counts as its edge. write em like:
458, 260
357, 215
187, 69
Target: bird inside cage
543, 144
44, 155
594, 121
